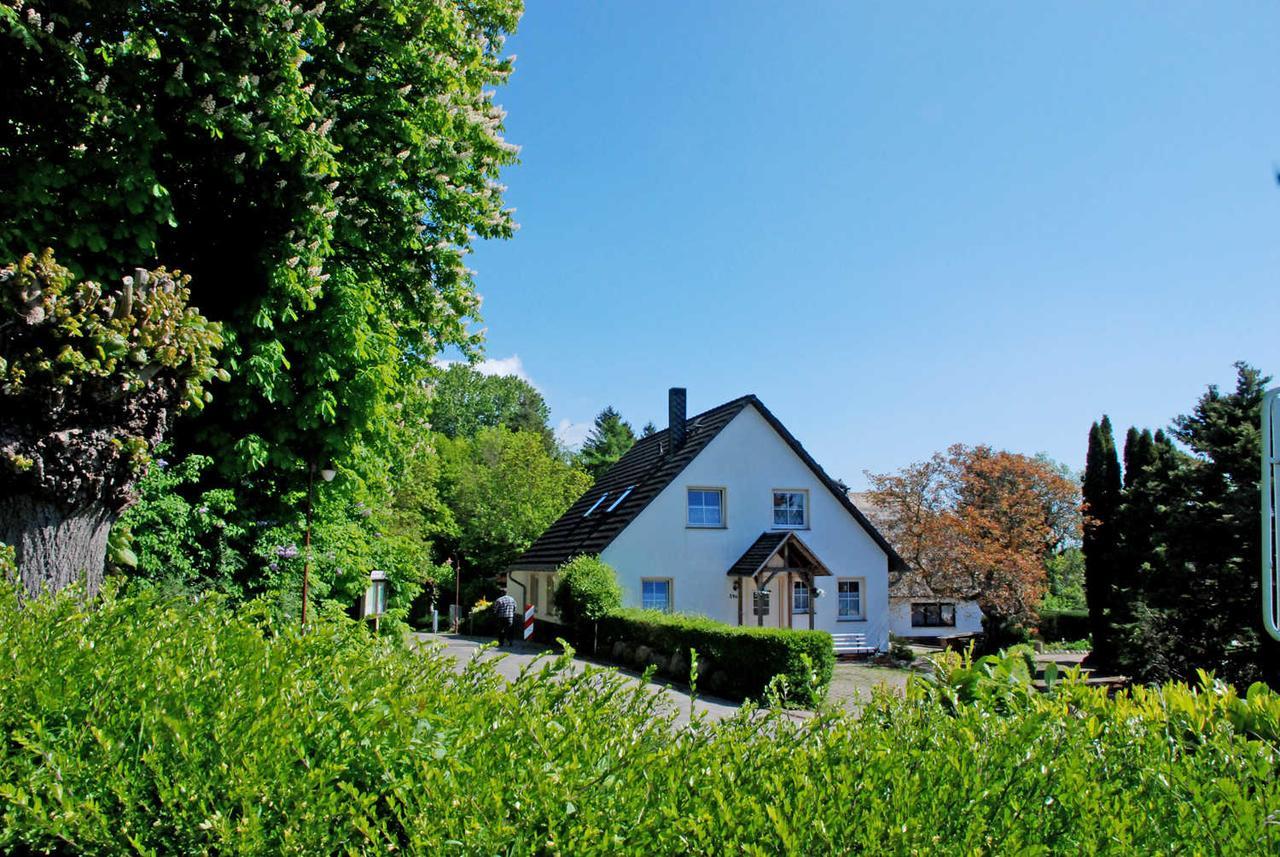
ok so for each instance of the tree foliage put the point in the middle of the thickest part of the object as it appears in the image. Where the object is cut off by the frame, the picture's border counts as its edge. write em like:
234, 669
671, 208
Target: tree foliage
319, 170
464, 401
980, 523
504, 489
1189, 549
90, 378
1065, 571
1101, 491
609, 440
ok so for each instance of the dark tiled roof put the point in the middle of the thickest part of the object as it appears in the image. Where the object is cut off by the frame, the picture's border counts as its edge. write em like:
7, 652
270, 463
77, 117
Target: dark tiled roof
769, 543
759, 552
649, 468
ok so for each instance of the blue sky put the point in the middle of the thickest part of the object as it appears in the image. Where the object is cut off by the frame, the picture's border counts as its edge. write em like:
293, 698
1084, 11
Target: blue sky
901, 225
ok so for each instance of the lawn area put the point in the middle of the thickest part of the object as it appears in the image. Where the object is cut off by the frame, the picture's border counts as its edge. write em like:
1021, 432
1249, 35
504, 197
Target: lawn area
852, 683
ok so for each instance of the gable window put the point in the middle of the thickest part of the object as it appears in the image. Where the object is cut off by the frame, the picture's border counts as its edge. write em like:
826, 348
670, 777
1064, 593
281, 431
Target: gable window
800, 597
926, 614
760, 602
655, 594
791, 509
706, 507
849, 598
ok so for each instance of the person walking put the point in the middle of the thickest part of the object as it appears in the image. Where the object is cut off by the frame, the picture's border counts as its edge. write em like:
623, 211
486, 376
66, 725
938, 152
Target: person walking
505, 609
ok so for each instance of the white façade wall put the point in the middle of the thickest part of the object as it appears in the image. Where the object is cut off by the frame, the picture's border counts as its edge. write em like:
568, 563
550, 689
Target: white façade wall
748, 459
968, 619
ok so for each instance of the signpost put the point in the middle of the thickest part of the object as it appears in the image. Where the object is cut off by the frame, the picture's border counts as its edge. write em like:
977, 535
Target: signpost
1270, 492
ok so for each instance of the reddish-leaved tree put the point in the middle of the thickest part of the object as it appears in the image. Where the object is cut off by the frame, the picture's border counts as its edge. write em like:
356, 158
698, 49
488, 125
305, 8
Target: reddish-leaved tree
978, 524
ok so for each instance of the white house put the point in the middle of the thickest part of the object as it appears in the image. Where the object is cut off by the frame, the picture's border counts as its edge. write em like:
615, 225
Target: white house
724, 514
915, 610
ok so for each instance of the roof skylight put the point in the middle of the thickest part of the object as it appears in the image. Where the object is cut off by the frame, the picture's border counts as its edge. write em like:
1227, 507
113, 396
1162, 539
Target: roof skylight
595, 504
621, 497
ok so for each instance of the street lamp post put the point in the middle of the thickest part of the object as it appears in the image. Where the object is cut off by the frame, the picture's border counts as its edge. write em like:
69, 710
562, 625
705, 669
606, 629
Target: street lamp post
327, 474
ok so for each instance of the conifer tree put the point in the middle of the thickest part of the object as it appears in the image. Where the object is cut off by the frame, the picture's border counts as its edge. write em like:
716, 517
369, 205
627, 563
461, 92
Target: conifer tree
1101, 497
1135, 523
608, 441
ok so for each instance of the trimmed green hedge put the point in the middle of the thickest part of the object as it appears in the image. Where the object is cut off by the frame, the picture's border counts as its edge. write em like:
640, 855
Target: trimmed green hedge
1057, 625
736, 662
161, 726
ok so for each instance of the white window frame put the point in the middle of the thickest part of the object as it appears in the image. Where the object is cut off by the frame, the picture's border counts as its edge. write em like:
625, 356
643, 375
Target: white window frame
808, 597
724, 507
671, 593
773, 509
862, 600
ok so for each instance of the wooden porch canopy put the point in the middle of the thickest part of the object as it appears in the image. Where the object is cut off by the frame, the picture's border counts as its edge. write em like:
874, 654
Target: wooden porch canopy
774, 553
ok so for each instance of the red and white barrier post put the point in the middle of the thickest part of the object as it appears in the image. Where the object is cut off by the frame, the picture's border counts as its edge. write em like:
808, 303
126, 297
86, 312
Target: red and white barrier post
528, 621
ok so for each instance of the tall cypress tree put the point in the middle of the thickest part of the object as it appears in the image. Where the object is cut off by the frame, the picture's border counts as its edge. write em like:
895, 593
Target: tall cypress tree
1101, 491
1134, 529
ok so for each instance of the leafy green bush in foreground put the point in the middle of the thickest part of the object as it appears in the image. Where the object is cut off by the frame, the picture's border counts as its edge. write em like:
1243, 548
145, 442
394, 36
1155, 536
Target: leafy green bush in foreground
739, 662
164, 726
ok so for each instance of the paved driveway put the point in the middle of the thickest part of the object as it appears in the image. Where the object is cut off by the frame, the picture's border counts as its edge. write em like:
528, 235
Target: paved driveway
509, 663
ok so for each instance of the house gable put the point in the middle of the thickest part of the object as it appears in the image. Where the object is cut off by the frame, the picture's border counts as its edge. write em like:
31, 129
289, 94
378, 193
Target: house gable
748, 460
596, 519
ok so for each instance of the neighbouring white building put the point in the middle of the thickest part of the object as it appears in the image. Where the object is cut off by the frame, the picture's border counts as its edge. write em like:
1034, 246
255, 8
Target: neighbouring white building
726, 515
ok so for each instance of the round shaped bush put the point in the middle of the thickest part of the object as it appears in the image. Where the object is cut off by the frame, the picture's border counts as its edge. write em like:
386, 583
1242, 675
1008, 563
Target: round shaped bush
587, 590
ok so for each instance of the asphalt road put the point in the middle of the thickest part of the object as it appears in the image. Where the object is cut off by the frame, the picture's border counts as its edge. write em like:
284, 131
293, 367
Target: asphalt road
510, 661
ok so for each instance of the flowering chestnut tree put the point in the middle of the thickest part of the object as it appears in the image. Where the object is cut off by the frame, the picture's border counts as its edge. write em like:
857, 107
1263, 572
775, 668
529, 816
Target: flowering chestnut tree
321, 168
90, 379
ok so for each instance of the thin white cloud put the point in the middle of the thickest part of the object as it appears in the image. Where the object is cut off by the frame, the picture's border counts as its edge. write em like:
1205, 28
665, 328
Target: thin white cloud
572, 434
512, 365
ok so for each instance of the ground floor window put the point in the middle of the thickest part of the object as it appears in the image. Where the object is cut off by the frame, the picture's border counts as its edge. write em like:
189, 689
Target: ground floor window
933, 614
534, 580
849, 598
800, 597
655, 594
760, 602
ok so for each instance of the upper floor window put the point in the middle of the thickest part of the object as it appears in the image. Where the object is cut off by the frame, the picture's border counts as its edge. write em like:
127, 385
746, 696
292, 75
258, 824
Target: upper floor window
791, 508
706, 507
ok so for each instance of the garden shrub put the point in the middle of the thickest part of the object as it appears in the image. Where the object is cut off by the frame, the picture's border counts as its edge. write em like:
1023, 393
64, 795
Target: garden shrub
1058, 625
161, 725
587, 588
738, 662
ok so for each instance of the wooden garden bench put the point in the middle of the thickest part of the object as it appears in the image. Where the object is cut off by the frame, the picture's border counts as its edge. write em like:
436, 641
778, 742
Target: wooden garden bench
852, 645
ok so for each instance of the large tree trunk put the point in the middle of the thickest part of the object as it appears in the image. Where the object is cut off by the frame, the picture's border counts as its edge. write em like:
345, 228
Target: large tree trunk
55, 547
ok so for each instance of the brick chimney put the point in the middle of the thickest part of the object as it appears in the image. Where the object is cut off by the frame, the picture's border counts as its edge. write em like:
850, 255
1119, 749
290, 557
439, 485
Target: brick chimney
676, 398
